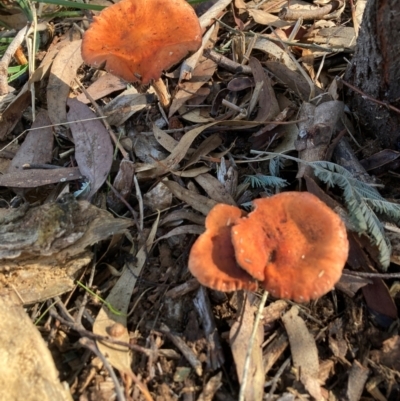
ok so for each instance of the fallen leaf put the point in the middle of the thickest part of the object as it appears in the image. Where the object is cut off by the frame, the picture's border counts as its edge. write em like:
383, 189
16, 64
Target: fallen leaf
38, 177
93, 147
103, 86
304, 351
63, 71
239, 337
38, 145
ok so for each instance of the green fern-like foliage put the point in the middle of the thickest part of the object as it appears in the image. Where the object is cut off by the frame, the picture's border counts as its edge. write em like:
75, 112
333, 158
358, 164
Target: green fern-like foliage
362, 201
264, 181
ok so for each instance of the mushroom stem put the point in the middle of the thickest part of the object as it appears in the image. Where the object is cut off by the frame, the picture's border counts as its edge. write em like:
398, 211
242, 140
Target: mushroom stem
162, 93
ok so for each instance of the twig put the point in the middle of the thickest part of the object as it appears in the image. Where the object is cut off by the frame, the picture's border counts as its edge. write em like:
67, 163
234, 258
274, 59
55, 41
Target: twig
140, 200
91, 346
274, 381
250, 346
372, 275
203, 308
85, 333
6, 59
290, 14
368, 97
227, 63
184, 348
130, 208
86, 293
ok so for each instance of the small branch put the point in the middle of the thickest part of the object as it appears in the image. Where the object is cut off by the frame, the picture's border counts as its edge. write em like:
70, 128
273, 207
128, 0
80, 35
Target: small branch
289, 14
227, 63
9, 53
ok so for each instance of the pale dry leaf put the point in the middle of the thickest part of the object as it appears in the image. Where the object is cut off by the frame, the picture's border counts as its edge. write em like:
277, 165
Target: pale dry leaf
268, 105
304, 351
189, 64
63, 72
211, 387
197, 116
275, 51
239, 337
194, 172
183, 230
177, 216
215, 189
93, 147
264, 18
103, 86
125, 105
209, 144
193, 199
213, 12
165, 140
120, 298
181, 149
201, 74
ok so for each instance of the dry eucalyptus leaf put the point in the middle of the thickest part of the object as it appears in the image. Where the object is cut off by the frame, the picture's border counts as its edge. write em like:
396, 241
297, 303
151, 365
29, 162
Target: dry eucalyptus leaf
214, 189
268, 105
304, 351
63, 71
193, 199
180, 150
209, 144
27, 369
201, 74
239, 337
176, 216
37, 146
119, 298
93, 147
275, 51
39, 177
44, 246
103, 86
125, 105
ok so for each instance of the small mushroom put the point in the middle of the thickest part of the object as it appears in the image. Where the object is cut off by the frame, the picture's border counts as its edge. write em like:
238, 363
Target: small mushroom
294, 244
138, 39
212, 257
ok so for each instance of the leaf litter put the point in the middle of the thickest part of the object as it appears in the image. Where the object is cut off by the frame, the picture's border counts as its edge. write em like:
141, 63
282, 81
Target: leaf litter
263, 81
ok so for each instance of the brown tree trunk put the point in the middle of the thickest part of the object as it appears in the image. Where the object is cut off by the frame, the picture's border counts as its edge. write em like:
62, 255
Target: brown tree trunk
375, 69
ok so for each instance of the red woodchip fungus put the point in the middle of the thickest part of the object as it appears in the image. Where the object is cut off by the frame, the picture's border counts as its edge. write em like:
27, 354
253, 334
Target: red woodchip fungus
212, 257
293, 243
138, 39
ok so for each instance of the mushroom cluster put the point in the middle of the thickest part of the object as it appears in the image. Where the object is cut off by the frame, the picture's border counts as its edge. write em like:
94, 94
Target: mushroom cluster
292, 244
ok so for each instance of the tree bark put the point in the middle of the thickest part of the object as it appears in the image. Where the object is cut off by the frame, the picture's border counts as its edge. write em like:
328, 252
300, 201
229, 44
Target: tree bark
375, 69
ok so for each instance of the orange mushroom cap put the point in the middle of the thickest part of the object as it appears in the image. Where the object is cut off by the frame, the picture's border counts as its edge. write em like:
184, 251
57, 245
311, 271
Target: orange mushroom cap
294, 244
138, 39
212, 257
